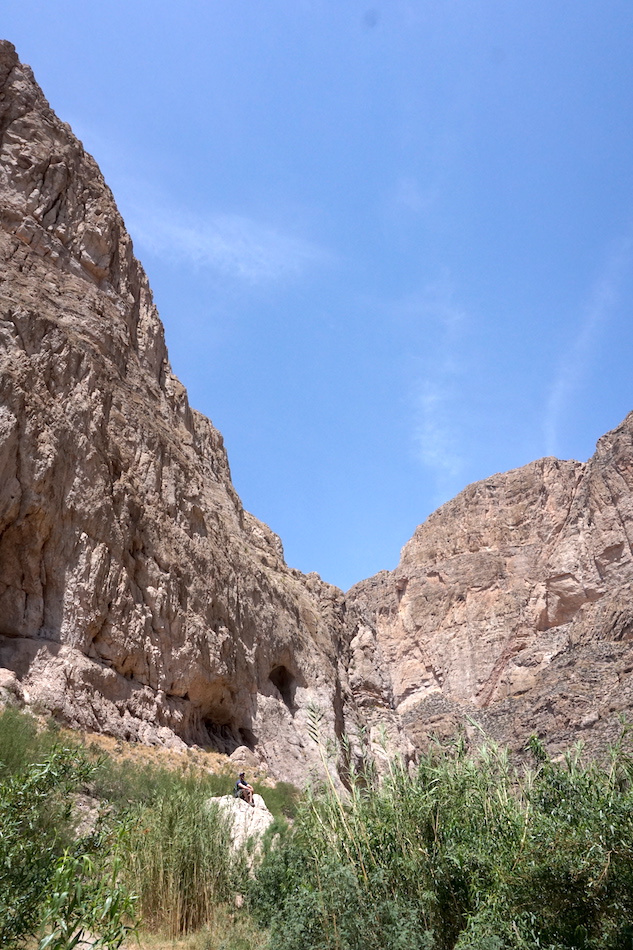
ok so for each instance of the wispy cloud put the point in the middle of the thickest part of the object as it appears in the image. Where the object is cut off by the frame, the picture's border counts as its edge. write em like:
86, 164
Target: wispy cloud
438, 422
240, 247
407, 195
233, 246
575, 362
435, 433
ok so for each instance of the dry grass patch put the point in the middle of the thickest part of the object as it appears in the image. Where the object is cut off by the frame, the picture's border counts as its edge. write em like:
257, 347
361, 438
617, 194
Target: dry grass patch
230, 930
174, 759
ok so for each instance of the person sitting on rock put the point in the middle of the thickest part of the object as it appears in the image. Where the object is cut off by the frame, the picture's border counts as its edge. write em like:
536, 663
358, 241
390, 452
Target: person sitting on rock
244, 790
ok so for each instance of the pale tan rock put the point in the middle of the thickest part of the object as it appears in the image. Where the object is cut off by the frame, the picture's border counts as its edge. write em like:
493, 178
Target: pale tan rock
247, 822
86, 812
242, 758
505, 606
11, 692
8, 680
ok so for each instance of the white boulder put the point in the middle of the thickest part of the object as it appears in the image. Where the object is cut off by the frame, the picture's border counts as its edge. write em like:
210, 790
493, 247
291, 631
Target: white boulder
247, 821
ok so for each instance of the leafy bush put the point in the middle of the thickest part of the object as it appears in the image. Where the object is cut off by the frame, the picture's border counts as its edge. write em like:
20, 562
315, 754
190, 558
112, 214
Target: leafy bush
85, 900
468, 853
35, 819
45, 886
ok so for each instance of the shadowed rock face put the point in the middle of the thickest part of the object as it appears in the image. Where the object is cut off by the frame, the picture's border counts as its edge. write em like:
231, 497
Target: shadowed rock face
512, 605
138, 598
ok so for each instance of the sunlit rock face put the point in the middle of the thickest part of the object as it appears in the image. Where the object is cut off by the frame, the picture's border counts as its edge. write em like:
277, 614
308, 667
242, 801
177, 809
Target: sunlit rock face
137, 597
512, 606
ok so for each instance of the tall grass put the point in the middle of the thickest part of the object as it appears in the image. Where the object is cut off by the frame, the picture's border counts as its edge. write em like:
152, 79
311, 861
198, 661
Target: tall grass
281, 799
231, 929
125, 781
467, 852
23, 741
179, 860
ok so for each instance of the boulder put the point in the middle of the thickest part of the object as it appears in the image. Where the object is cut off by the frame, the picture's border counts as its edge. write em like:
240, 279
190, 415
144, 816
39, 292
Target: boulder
248, 822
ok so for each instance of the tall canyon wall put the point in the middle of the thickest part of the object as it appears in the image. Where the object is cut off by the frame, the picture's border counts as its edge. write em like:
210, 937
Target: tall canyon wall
136, 594
137, 597
511, 611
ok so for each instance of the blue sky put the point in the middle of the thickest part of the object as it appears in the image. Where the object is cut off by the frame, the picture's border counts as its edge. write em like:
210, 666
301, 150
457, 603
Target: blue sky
391, 242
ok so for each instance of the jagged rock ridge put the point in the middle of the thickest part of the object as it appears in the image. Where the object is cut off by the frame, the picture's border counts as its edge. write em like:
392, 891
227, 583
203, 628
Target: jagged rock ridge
512, 606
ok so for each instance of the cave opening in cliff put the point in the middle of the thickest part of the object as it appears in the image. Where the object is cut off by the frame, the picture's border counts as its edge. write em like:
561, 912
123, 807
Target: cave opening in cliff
221, 736
249, 739
224, 735
286, 684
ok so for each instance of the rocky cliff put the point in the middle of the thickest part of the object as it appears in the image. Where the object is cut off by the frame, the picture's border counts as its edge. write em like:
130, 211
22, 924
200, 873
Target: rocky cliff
138, 598
512, 608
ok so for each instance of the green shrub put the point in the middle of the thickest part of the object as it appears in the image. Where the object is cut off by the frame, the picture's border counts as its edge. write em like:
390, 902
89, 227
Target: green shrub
86, 900
39, 858
467, 853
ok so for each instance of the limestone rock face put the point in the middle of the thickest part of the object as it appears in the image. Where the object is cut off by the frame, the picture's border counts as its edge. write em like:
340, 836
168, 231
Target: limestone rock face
512, 605
137, 597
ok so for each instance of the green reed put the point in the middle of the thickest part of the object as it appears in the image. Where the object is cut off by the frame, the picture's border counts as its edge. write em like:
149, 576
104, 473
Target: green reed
466, 851
179, 860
